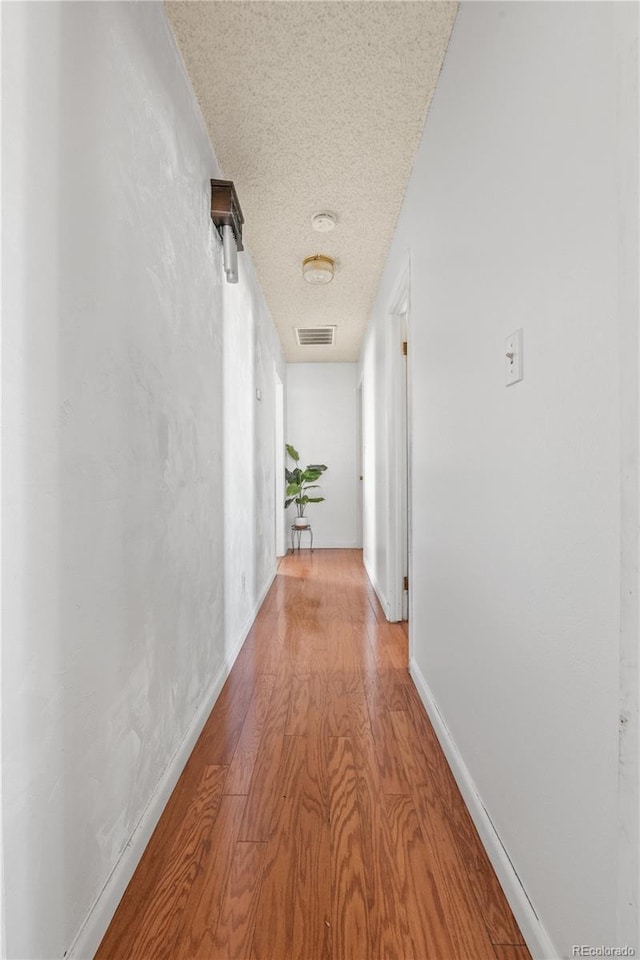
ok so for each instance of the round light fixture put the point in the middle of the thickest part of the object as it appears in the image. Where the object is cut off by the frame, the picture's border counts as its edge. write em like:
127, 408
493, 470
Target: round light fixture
323, 222
318, 269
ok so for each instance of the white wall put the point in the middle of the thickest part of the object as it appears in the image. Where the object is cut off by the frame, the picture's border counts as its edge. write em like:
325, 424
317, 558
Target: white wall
251, 356
521, 213
118, 622
321, 425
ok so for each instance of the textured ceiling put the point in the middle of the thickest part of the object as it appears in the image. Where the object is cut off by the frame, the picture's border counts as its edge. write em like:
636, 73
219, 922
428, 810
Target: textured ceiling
315, 106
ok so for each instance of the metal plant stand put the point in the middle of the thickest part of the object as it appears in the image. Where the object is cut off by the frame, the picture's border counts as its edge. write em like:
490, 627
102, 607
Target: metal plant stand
298, 531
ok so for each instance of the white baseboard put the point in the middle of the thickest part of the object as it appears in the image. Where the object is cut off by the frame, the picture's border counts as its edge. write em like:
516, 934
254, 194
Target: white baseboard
99, 917
251, 616
384, 603
534, 933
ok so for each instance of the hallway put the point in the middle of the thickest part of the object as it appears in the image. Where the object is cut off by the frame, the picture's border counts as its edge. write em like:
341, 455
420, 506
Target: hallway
317, 816
146, 405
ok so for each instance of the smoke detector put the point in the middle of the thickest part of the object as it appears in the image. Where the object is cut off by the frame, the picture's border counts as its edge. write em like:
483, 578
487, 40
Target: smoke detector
323, 222
318, 269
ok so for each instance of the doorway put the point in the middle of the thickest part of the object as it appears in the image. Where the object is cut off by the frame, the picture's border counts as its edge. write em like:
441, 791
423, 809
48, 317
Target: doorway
279, 466
359, 465
403, 443
399, 451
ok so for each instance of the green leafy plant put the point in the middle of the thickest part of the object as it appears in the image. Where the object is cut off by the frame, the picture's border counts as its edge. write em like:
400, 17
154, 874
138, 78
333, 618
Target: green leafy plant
299, 481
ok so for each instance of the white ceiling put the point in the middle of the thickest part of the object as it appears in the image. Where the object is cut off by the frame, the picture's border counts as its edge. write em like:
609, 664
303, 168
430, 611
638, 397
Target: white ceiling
311, 106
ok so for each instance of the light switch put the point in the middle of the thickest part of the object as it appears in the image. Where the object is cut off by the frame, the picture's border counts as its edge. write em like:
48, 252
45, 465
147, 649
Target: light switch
513, 357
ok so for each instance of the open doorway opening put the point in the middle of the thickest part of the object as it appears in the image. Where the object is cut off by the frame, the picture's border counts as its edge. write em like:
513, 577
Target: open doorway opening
279, 466
359, 464
403, 444
399, 452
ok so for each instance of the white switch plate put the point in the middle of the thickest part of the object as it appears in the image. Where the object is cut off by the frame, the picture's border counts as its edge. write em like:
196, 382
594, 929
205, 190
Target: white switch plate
513, 357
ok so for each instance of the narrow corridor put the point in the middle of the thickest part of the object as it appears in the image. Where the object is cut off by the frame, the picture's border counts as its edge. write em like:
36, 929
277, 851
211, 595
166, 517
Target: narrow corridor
317, 816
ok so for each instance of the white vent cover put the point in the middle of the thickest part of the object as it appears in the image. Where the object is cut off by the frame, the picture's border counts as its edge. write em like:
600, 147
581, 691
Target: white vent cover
316, 336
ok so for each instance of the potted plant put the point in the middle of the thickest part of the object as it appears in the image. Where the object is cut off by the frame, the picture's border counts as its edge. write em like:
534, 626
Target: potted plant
298, 483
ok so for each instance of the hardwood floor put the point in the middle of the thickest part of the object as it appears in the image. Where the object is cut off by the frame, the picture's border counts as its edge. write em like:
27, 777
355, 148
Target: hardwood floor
317, 818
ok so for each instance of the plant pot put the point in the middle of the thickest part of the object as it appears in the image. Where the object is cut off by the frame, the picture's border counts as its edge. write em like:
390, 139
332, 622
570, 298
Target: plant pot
301, 522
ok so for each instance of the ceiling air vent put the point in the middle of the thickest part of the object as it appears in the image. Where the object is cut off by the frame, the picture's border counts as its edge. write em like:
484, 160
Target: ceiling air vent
316, 336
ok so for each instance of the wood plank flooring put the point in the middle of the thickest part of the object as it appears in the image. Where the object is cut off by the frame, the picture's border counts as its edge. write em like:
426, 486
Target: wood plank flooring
317, 818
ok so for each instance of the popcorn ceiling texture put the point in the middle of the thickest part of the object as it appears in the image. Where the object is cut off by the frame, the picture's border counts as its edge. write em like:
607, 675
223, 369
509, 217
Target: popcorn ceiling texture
316, 106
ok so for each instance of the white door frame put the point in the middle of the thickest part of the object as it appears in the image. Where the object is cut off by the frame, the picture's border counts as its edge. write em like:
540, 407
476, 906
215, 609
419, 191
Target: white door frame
398, 456
279, 463
359, 465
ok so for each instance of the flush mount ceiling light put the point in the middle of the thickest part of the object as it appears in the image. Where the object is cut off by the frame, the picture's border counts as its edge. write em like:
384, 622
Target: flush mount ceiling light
323, 222
318, 269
